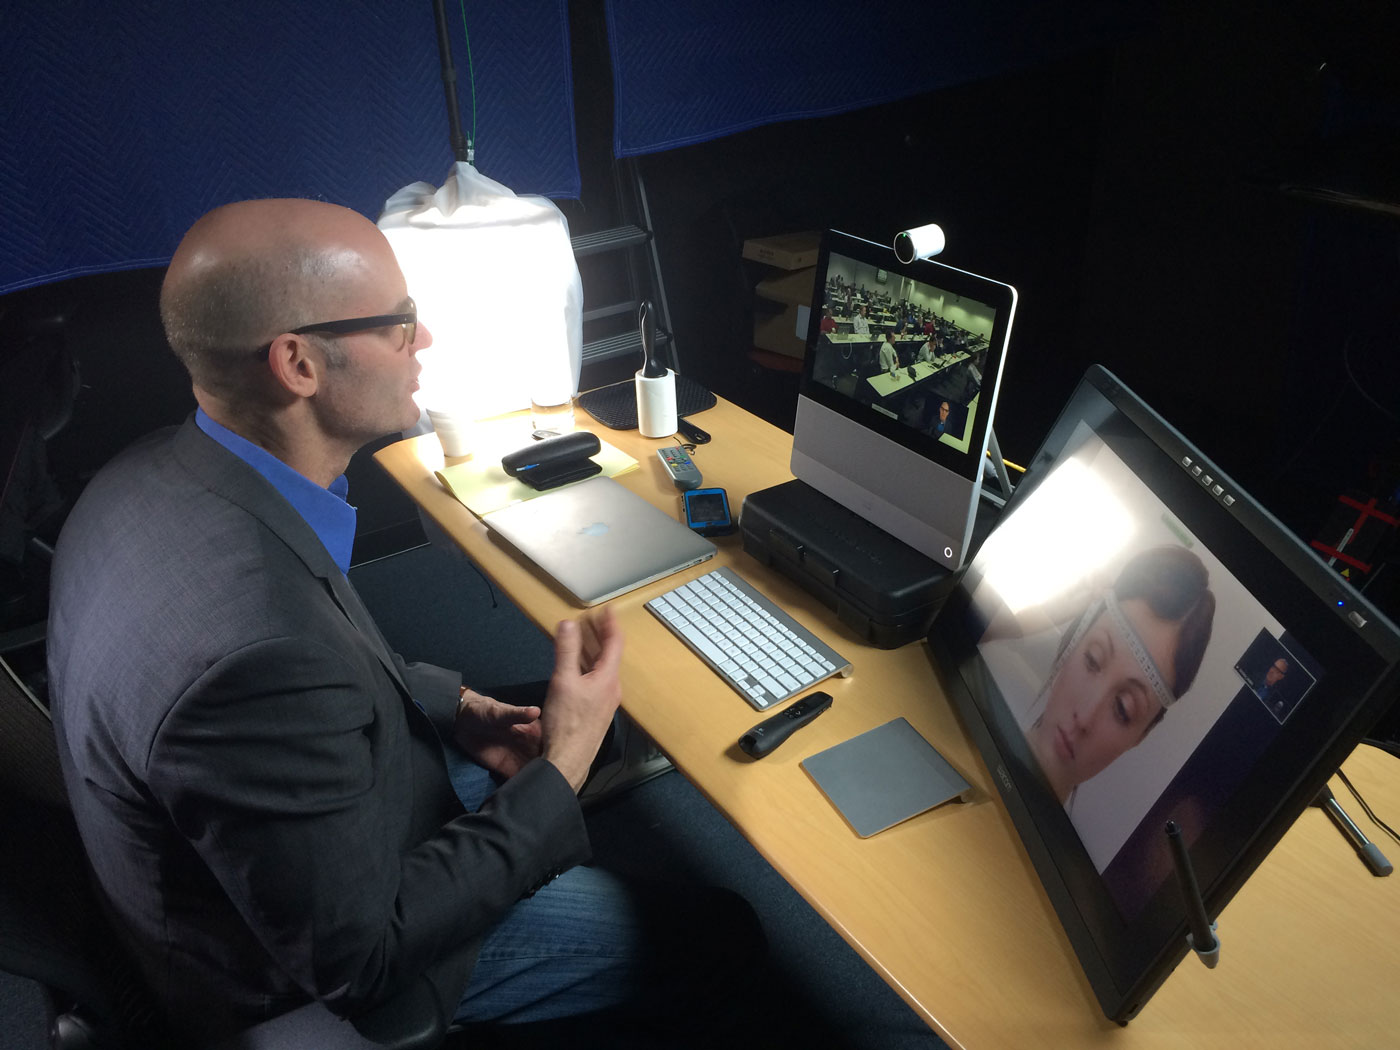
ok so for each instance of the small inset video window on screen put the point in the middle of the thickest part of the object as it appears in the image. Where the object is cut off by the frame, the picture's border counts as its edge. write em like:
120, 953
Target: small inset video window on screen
936, 416
1275, 676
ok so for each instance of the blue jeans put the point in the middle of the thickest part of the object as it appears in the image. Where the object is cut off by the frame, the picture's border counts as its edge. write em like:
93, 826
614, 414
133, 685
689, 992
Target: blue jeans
573, 947
594, 945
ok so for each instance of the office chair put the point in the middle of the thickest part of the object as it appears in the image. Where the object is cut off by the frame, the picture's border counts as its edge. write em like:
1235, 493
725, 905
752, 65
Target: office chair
38, 385
53, 930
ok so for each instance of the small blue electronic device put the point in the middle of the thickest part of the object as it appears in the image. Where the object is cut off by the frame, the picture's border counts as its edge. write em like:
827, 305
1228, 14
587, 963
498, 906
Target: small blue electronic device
707, 512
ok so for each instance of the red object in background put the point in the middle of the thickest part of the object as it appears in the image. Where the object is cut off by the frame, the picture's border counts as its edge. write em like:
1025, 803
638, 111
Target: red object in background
1357, 534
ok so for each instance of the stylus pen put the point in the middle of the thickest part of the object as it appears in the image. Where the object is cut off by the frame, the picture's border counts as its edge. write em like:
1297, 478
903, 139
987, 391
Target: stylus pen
1202, 936
1367, 850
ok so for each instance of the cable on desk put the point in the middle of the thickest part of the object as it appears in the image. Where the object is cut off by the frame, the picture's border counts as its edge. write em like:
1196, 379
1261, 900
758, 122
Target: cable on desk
486, 580
1390, 747
1364, 804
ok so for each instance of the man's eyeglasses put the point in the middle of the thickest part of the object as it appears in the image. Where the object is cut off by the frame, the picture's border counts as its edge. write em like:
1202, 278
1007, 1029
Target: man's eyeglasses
352, 325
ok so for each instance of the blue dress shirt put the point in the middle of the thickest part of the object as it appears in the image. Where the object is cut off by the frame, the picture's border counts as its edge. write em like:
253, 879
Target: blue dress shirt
325, 510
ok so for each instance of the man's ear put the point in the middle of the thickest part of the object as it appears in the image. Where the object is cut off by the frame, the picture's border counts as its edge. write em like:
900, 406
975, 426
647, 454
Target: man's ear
295, 365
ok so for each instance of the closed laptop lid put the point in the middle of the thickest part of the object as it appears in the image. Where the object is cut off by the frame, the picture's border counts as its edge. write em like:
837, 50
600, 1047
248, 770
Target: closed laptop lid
598, 539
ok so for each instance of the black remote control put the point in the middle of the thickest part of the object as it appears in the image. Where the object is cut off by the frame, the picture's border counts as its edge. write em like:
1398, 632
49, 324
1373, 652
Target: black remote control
771, 732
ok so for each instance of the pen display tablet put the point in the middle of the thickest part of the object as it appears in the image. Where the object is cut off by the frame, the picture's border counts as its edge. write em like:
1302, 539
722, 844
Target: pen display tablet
1138, 641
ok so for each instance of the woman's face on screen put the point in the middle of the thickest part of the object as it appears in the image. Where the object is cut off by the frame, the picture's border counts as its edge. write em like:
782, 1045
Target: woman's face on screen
1100, 703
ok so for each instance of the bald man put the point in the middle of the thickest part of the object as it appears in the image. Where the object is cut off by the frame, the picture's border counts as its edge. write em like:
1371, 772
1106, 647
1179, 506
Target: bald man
258, 780
1274, 690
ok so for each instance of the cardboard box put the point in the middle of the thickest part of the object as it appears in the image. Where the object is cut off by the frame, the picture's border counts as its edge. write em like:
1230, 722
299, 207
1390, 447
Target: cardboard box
787, 251
785, 332
778, 333
790, 289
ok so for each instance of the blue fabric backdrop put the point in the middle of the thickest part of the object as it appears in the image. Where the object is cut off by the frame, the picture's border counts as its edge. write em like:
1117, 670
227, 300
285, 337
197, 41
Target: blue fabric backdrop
690, 70
122, 121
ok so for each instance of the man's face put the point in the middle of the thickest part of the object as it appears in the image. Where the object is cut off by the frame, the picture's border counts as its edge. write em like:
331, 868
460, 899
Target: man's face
1275, 673
371, 393
943, 412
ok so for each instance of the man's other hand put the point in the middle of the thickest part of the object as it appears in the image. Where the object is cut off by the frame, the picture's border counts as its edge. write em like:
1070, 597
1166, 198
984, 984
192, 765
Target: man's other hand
583, 693
499, 737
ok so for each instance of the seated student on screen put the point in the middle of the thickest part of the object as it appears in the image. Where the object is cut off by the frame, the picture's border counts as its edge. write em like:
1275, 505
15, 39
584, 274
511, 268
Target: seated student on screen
860, 324
889, 356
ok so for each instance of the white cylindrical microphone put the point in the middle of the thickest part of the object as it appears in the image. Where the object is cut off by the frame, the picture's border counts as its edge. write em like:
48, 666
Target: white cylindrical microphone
919, 243
656, 404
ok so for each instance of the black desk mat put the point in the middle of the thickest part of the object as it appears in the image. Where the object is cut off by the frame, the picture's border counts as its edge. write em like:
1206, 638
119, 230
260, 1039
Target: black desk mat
616, 406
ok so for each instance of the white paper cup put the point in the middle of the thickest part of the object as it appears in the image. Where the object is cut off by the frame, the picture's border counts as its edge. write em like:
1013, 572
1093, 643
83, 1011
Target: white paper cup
453, 430
552, 419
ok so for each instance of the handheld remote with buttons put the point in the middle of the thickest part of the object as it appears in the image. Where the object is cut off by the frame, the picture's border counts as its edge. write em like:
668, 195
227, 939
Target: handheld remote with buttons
680, 466
771, 732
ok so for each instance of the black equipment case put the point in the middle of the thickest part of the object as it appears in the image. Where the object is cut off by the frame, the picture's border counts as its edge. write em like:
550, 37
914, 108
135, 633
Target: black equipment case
880, 587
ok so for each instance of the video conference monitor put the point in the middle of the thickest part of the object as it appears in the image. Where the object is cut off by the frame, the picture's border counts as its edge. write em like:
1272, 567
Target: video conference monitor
899, 385
1138, 641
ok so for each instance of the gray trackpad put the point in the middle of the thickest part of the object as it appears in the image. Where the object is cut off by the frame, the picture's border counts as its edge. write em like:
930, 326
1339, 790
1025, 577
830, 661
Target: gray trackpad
885, 776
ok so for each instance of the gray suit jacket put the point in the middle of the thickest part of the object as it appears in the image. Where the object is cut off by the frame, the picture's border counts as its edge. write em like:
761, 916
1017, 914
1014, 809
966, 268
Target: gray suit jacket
266, 808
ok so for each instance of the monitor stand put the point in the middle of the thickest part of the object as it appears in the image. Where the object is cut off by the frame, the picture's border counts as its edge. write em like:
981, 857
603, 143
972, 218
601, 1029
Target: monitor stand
1367, 850
999, 465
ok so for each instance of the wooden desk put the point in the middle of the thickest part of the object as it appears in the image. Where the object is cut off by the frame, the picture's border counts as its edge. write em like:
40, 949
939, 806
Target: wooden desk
946, 907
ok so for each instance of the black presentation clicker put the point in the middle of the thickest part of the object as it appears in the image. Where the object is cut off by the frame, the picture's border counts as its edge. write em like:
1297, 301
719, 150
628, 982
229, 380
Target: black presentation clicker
771, 732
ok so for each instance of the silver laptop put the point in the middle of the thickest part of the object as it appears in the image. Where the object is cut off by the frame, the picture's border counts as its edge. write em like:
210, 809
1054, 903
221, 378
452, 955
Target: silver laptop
599, 539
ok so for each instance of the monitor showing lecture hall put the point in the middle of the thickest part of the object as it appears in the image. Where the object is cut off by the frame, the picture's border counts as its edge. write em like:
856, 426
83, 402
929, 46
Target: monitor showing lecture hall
1137, 642
898, 391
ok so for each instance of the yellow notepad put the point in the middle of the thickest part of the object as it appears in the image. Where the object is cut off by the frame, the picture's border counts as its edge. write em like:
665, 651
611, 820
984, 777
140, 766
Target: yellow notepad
482, 486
